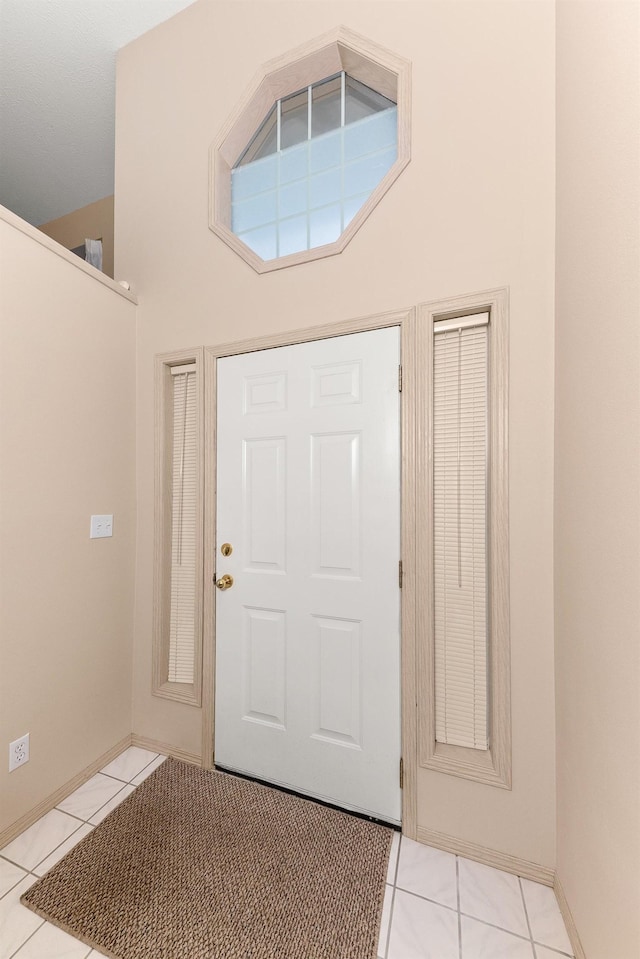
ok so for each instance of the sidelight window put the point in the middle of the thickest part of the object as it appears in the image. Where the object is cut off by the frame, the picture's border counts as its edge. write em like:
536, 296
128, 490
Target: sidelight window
178, 573
463, 539
460, 514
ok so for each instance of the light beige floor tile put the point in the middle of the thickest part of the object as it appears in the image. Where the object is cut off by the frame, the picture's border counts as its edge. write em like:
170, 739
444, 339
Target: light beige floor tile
493, 896
90, 797
384, 922
129, 763
393, 858
62, 850
486, 942
49, 942
111, 805
39, 840
545, 918
543, 953
427, 872
10, 876
422, 930
148, 770
17, 923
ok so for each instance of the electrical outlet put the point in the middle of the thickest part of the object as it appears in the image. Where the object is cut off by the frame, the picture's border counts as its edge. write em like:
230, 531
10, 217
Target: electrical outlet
18, 752
101, 525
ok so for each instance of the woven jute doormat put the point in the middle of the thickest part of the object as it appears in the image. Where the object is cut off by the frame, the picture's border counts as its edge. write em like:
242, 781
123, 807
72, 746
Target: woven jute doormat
203, 865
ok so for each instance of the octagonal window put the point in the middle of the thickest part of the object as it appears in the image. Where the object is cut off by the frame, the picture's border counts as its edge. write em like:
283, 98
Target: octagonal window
314, 162
297, 170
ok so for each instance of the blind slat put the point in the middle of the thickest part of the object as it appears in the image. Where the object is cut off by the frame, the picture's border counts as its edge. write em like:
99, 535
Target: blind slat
460, 535
184, 477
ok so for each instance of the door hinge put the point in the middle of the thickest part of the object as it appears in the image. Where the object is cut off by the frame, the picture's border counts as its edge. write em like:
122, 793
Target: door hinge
400, 379
400, 574
401, 773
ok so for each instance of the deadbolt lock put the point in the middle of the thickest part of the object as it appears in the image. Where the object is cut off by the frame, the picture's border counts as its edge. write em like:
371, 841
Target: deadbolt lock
226, 549
225, 582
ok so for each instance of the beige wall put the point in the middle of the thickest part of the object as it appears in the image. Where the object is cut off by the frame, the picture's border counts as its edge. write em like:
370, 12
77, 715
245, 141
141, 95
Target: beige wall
597, 520
94, 222
473, 210
67, 450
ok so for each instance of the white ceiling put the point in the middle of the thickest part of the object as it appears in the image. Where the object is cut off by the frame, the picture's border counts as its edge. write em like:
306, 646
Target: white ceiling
57, 98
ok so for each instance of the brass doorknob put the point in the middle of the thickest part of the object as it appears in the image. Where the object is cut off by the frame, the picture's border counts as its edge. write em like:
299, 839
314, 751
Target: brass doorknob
225, 582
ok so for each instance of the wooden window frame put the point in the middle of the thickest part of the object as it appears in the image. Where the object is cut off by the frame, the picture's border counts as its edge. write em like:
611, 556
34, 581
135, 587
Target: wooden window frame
491, 766
338, 50
190, 693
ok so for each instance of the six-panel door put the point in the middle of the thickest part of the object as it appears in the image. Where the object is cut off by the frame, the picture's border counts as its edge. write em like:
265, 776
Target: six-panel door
308, 636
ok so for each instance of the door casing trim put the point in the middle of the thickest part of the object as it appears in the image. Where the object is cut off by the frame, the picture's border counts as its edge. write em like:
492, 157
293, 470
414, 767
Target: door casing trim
405, 320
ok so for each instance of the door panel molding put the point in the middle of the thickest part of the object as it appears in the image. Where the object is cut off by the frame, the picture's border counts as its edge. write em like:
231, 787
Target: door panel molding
405, 320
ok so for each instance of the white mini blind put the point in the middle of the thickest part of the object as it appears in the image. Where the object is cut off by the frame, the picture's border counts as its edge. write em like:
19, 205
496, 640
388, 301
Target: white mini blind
184, 495
460, 467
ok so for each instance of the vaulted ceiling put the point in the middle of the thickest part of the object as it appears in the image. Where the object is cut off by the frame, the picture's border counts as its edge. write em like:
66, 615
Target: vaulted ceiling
57, 98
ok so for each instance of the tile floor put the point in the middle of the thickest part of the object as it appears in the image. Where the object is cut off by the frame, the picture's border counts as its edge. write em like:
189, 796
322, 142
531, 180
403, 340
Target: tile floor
437, 906
440, 906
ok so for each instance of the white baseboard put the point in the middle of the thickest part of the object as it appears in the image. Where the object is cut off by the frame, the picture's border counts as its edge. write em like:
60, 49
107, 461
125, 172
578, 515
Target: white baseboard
572, 931
10, 833
165, 749
488, 857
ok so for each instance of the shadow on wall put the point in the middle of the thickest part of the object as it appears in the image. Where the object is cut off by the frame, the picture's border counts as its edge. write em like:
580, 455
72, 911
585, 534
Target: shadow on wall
80, 230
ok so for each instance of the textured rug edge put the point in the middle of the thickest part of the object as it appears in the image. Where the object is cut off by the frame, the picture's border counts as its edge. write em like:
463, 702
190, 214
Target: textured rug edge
65, 928
260, 787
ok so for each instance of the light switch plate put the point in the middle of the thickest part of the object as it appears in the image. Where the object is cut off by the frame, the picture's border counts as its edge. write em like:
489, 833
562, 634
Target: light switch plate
101, 526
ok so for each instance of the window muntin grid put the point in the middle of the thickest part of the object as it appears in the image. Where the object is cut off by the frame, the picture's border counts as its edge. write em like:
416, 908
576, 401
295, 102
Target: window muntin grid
311, 166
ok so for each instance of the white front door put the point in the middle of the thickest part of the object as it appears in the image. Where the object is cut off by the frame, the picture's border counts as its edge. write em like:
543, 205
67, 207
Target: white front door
308, 636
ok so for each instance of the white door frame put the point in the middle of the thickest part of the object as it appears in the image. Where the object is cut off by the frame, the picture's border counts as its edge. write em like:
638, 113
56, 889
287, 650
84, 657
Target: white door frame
405, 320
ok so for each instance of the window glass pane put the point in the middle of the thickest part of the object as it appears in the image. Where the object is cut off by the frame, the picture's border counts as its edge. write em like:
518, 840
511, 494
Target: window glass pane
325, 151
325, 108
371, 134
325, 225
254, 178
293, 235
262, 241
365, 174
264, 142
294, 163
294, 121
254, 212
352, 205
324, 188
292, 198
362, 101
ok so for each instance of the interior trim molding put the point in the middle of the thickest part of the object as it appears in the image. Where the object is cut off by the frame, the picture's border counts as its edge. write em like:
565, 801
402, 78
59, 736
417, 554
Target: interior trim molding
165, 749
572, 930
12, 219
51, 801
489, 857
